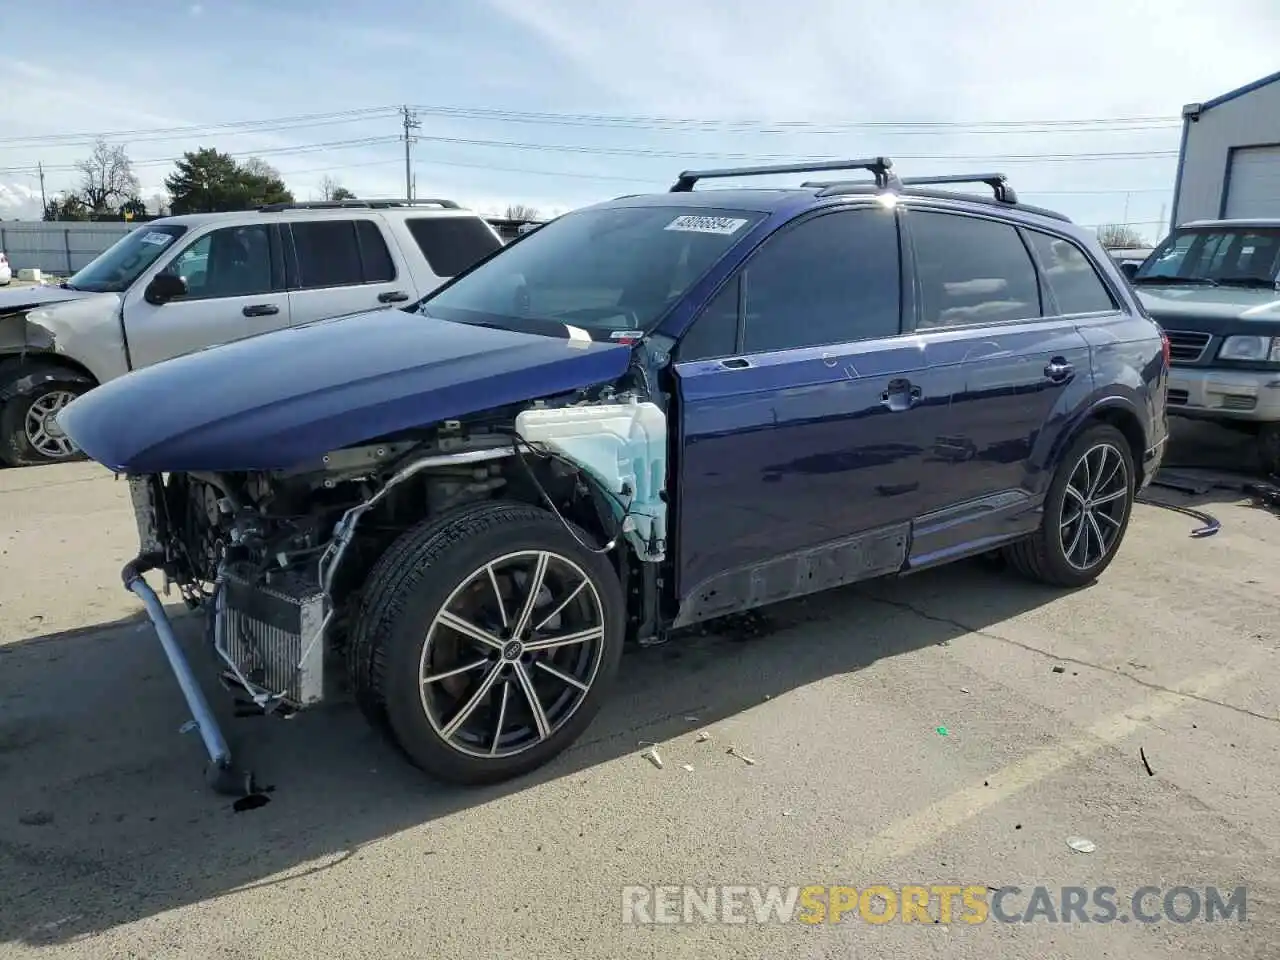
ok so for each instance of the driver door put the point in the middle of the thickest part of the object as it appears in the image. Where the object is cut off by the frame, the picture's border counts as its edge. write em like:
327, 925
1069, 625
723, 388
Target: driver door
235, 289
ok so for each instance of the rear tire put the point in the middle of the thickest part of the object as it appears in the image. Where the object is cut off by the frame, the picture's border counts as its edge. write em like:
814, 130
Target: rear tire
473, 682
1086, 512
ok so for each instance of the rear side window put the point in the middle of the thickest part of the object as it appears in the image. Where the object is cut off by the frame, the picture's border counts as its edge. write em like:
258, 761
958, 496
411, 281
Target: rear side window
374, 255
328, 254
452, 244
971, 271
1076, 286
832, 279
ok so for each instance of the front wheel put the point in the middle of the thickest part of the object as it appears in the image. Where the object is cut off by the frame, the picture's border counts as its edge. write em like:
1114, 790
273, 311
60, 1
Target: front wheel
1086, 512
488, 641
29, 431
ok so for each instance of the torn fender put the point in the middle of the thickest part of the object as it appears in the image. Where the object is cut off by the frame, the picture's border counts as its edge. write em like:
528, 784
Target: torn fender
31, 374
85, 329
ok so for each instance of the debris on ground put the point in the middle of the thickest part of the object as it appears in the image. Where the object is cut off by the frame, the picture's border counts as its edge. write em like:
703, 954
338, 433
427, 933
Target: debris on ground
687, 767
943, 732
652, 756
1143, 754
964, 689
733, 752
1081, 845
692, 720
1210, 524
788, 813
1059, 669
702, 737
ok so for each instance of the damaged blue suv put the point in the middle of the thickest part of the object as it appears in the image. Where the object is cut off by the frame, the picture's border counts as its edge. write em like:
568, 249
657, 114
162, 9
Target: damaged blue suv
645, 414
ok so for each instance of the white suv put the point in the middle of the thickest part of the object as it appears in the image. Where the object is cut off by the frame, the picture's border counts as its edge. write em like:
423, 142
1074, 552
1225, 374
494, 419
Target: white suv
181, 284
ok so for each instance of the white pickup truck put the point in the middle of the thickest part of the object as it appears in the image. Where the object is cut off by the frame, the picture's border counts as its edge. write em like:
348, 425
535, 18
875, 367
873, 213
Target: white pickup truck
180, 284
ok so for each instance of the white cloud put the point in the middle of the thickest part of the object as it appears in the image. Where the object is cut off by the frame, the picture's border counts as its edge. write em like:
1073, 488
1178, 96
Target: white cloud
19, 202
195, 9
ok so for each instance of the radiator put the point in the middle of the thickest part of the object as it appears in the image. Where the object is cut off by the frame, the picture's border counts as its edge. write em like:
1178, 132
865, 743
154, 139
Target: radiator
270, 632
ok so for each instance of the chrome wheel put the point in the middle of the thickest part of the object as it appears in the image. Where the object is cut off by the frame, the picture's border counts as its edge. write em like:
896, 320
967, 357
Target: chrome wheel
511, 654
1094, 504
41, 425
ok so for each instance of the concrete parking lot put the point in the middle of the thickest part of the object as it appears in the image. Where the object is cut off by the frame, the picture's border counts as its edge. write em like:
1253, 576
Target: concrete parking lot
958, 727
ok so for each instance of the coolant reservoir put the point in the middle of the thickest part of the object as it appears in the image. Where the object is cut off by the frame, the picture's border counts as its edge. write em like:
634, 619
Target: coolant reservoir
623, 446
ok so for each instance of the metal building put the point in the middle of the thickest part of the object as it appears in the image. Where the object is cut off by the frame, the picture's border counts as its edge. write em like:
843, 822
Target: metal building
1229, 161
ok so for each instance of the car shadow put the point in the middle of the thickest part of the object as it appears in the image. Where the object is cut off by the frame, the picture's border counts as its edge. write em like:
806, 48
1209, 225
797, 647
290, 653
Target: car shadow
104, 819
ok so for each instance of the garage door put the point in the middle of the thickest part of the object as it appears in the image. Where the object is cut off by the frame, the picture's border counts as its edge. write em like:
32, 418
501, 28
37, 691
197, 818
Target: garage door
1253, 188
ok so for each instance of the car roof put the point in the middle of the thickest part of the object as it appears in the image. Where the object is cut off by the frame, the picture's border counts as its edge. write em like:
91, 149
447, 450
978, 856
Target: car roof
309, 213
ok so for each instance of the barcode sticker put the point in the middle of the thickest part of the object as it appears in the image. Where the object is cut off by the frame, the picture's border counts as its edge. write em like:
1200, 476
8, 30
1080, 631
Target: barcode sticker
725, 226
158, 239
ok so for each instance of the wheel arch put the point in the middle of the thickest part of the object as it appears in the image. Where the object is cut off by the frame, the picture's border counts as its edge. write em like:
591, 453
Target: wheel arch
20, 375
1117, 412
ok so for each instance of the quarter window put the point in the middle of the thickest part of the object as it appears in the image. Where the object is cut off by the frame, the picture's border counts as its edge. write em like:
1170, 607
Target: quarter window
971, 271
832, 279
1075, 283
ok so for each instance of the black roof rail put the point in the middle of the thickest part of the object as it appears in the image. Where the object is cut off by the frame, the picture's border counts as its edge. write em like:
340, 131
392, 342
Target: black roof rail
998, 183
358, 205
881, 167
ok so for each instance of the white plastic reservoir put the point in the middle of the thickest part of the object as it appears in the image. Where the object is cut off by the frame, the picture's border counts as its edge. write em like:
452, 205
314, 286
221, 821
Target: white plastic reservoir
623, 446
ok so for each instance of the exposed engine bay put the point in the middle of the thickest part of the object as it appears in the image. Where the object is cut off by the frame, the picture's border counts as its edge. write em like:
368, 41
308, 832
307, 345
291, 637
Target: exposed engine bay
277, 560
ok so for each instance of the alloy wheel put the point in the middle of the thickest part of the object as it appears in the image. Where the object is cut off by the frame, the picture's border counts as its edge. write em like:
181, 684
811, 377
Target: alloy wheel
41, 425
511, 654
1093, 506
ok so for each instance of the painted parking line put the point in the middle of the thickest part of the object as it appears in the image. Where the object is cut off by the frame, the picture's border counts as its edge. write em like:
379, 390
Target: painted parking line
947, 814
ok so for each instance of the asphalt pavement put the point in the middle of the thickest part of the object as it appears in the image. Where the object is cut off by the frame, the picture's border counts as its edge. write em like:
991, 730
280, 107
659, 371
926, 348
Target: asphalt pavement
959, 727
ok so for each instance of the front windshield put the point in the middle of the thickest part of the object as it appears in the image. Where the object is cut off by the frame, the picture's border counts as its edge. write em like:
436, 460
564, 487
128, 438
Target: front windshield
115, 269
1246, 256
607, 270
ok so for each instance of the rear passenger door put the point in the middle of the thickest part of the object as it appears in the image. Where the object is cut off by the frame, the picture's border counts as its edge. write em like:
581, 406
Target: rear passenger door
336, 267
1011, 361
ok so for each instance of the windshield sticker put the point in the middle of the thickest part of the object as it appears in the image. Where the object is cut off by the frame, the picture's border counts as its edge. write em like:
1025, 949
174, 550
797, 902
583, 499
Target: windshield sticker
158, 239
725, 226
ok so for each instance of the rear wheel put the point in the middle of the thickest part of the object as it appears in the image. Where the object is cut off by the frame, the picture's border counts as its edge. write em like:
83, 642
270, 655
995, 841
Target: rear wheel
1086, 512
487, 642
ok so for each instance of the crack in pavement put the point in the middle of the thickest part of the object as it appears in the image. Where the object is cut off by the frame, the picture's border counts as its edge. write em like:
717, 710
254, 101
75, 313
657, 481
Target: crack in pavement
1060, 658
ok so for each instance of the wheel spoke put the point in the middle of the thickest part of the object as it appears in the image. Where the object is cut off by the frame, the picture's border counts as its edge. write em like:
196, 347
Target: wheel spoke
1075, 495
454, 622
497, 595
1075, 541
560, 606
1103, 480
550, 643
1097, 532
1111, 496
469, 707
534, 588
1068, 521
561, 675
1103, 515
535, 706
435, 677
502, 718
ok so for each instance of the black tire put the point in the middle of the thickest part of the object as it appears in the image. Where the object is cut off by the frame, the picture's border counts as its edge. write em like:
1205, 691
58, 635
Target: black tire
1269, 448
1043, 556
397, 626
16, 447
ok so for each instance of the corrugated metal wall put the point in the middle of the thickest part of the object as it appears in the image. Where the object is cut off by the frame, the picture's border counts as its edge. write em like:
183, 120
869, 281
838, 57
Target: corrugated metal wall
1250, 119
59, 247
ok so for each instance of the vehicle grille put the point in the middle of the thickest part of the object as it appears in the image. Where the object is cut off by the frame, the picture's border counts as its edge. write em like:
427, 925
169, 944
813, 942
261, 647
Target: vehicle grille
267, 632
1177, 398
1186, 346
1238, 401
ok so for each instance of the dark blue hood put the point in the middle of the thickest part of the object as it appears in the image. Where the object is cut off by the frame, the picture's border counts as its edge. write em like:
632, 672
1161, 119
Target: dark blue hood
283, 398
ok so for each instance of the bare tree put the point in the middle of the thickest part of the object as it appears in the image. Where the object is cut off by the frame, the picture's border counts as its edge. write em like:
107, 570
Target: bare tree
1120, 236
331, 189
106, 178
519, 211
257, 167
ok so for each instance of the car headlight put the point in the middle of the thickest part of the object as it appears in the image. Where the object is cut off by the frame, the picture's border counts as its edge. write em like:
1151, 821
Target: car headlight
1251, 348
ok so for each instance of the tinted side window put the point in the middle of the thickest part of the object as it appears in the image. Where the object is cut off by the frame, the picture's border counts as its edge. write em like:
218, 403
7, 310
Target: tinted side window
374, 254
971, 271
452, 244
1075, 284
328, 255
831, 279
715, 331
230, 262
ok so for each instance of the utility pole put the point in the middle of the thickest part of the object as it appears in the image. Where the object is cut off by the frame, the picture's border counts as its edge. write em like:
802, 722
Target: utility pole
44, 204
411, 123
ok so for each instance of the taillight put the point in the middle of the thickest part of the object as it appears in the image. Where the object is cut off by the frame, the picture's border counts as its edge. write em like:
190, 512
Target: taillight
1166, 349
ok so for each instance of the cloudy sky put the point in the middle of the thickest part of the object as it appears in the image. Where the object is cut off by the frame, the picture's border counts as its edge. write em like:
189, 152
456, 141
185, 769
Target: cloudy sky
556, 103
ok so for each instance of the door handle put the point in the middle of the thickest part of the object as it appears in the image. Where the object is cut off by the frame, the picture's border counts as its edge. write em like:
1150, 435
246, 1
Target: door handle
901, 395
393, 296
735, 363
1059, 370
261, 310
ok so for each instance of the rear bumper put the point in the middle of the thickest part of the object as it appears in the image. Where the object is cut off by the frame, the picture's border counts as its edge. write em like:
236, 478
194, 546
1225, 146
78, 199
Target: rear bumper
1224, 394
1151, 461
